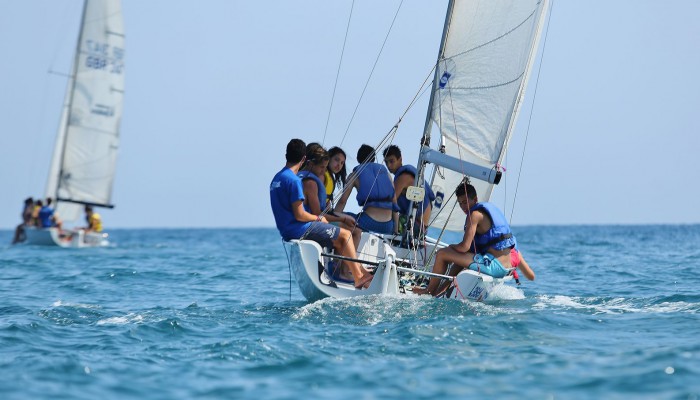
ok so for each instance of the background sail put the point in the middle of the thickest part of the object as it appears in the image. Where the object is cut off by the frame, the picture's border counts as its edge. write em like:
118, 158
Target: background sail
483, 70
83, 166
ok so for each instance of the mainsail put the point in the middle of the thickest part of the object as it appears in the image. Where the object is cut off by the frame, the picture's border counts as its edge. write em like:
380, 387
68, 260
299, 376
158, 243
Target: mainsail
482, 71
85, 154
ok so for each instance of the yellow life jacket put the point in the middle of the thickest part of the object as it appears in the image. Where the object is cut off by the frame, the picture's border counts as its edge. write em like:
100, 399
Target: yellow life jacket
96, 222
330, 185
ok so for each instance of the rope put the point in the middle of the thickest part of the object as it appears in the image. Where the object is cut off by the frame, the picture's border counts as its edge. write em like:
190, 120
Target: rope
370, 74
289, 265
532, 109
337, 74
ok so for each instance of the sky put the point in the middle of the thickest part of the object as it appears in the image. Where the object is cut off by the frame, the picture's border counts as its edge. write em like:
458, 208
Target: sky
608, 133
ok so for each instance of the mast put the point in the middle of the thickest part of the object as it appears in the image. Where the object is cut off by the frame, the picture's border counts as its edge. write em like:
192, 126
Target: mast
428, 118
425, 140
56, 168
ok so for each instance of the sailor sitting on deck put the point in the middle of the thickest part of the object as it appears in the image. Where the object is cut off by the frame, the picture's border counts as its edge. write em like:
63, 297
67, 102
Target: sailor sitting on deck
93, 219
293, 222
405, 176
375, 193
315, 194
336, 174
20, 235
48, 218
486, 229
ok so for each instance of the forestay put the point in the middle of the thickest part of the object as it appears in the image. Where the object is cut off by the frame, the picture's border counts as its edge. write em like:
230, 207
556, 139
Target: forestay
84, 159
482, 71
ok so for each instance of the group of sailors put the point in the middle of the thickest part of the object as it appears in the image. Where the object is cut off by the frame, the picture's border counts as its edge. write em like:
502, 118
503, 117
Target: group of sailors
385, 207
40, 214
302, 200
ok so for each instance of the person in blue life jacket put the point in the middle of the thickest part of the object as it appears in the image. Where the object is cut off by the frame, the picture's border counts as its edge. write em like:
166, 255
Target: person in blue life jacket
405, 176
315, 194
294, 222
375, 193
48, 218
486, 245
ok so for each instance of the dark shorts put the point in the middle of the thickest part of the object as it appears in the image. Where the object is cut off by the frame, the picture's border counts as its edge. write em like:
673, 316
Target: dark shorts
369, 224
322, 233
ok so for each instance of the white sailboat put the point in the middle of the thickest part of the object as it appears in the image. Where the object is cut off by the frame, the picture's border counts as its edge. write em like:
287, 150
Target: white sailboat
484, 62
84, 159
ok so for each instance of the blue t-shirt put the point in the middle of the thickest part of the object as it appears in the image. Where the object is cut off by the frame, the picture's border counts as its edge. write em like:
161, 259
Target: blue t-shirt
45, 214
286, 189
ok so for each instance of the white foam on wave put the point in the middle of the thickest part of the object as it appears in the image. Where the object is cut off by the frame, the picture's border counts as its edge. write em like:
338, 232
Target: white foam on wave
123, 320
60, 303
375, 309
618, 305
506, 292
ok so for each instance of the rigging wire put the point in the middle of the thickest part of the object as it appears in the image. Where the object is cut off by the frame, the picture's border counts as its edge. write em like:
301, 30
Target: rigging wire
337, 74
376, 61
534, 97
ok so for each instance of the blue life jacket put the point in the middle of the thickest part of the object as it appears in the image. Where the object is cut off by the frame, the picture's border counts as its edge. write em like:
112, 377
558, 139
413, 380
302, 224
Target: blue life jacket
500, 237
376, 188
405, 203
45, 214
321, 188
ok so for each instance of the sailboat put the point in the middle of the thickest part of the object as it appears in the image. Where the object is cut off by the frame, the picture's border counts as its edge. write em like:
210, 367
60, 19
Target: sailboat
85, 152
486, 55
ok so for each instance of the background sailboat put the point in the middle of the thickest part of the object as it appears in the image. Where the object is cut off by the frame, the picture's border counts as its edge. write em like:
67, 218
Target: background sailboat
85, 153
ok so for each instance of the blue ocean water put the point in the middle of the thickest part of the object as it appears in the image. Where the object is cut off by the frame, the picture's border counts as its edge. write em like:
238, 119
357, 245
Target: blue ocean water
193, 313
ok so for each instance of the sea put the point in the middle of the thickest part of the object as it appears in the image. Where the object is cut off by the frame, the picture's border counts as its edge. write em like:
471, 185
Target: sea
614, 313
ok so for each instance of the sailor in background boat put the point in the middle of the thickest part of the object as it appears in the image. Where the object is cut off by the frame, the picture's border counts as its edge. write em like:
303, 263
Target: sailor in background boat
486, 229
27, 210
93, 219
293, 222
405, 176
375, 193
48, 218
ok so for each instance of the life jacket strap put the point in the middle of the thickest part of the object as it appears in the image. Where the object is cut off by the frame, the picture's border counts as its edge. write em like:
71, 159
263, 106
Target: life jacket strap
498, 239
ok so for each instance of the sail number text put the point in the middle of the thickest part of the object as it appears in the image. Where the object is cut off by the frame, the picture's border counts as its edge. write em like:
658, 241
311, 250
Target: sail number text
102, 56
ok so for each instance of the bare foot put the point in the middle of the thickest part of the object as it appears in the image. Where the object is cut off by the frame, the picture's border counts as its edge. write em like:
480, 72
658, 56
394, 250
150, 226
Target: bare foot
364, 282
418, 290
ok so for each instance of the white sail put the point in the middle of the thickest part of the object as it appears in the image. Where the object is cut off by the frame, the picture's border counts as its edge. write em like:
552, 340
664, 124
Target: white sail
482, 71
84, 160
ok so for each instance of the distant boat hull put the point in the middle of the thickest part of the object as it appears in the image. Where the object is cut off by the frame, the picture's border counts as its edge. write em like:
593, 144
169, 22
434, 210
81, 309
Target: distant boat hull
68, 239
312, 273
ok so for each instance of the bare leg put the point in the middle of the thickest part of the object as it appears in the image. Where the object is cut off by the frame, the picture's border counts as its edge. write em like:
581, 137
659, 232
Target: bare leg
346, 247
444, 257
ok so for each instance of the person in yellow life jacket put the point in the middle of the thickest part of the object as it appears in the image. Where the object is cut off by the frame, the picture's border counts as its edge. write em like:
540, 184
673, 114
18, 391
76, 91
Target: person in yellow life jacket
34, 221
94, 221
336, 172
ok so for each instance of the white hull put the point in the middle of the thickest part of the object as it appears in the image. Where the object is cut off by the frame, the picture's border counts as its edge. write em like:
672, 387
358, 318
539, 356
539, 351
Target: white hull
311, 273
72, 239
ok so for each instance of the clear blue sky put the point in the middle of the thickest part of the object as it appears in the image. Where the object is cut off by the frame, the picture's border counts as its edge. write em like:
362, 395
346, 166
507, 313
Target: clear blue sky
216, 88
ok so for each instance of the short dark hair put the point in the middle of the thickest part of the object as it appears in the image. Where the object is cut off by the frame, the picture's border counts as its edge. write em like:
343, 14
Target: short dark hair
392, 150
365, 154
296, 149
465, 188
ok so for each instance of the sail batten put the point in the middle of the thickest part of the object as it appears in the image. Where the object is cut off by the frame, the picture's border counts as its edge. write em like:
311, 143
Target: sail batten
482, 73
82, 170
